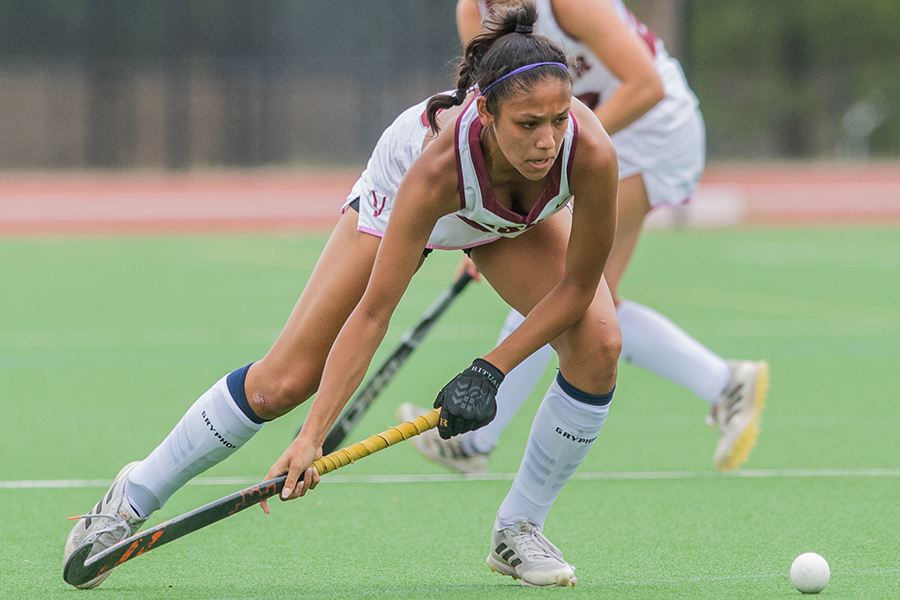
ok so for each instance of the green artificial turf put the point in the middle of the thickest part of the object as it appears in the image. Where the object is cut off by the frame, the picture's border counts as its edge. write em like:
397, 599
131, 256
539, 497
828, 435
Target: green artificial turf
104, 342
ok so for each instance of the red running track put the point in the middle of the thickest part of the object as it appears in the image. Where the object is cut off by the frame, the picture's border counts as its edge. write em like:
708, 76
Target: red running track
296, 201
814, 193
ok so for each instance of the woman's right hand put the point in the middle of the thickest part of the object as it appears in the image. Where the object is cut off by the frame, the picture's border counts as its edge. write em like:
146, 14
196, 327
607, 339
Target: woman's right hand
295, 461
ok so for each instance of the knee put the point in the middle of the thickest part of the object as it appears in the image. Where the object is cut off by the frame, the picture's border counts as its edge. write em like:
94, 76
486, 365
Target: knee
591, 362
272, 393
603, 352
609, 344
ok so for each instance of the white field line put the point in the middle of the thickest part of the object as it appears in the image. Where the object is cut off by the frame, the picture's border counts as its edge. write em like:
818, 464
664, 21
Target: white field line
29, 484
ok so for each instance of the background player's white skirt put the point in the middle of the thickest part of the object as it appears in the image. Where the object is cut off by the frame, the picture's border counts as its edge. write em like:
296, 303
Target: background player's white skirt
670, 162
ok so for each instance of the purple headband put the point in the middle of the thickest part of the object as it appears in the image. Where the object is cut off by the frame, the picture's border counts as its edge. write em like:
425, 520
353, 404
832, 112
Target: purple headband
519, 70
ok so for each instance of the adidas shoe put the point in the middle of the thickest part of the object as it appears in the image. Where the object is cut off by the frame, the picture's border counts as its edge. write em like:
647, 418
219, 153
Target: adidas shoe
450, 453
522, 552
739, 413
109, 522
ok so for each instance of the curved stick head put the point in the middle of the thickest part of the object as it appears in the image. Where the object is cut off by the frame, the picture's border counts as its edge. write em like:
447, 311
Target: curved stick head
75, 572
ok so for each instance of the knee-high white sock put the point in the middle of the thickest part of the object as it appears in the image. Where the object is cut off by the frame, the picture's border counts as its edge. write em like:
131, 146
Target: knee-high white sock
212, 429
653, 342
514, 391
564, 429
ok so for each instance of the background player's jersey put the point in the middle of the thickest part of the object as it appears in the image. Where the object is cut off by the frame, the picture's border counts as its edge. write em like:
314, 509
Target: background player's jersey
593, 82
480, 218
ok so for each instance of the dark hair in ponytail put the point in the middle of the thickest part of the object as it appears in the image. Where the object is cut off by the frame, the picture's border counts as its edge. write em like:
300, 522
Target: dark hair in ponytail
506, 45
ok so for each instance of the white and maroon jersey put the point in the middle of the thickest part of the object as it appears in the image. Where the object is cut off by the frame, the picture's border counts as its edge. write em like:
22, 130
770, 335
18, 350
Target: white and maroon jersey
593, 82
667, 144
481, 218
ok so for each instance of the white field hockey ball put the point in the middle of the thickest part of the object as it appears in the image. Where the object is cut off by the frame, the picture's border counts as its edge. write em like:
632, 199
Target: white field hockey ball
810, 573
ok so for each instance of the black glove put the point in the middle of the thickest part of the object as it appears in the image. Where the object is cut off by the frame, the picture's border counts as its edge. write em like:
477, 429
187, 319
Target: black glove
467, 402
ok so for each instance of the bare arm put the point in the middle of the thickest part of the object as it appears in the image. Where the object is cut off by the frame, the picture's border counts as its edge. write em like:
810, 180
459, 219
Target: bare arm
596, 24
427, 192
416, 209
468, 20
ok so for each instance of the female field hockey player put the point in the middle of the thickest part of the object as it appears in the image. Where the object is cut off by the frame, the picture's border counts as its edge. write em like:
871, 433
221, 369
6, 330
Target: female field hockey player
489, 169
623, 72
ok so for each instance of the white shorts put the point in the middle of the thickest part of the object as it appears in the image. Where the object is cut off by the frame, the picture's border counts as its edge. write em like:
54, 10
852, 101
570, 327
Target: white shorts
670, 162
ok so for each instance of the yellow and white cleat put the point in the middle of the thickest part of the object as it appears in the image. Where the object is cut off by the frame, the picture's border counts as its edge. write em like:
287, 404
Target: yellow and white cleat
739, 413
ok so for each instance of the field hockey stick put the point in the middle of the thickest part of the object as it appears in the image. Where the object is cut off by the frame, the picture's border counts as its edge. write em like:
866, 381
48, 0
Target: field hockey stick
78, 569
408, 342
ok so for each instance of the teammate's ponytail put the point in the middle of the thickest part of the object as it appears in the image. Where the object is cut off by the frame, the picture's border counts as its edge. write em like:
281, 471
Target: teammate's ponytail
507, 44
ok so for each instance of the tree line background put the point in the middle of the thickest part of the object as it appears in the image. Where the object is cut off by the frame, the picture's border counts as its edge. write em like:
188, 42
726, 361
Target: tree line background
195, 83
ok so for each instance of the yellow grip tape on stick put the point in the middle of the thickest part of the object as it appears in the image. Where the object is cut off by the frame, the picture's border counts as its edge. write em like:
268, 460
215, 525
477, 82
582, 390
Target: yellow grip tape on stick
380, 441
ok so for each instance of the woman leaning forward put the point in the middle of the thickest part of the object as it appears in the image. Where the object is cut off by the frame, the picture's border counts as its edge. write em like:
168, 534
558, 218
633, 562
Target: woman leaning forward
489, 169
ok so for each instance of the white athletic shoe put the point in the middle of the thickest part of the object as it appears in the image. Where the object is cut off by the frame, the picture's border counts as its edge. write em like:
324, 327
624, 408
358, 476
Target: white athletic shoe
110, 521
449, 453
739, 413
524, 553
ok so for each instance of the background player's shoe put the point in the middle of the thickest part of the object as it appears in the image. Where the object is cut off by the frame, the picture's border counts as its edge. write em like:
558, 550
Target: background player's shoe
523, 552
739, 412
449, 453
110, 521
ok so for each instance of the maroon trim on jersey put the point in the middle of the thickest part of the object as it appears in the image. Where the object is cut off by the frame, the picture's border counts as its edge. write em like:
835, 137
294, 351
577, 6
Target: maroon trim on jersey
488, 198
572, 150
424, 117
472, 223
461, 186
644, 32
